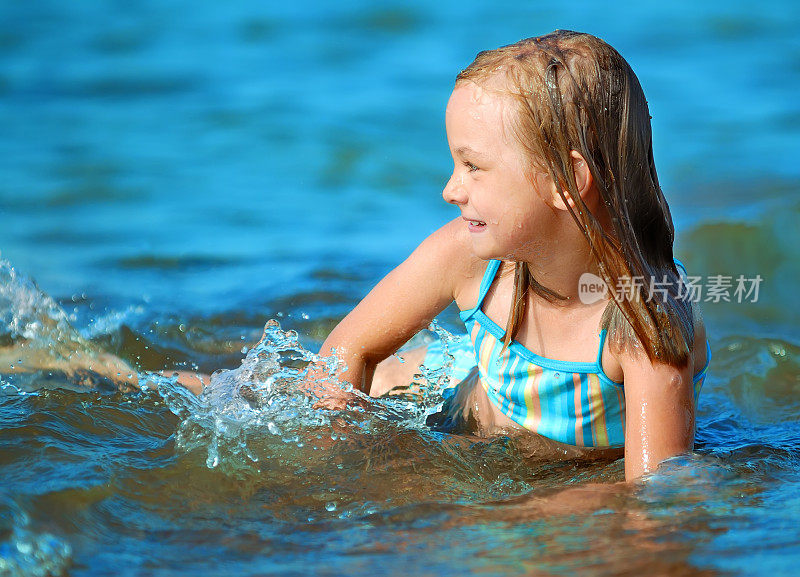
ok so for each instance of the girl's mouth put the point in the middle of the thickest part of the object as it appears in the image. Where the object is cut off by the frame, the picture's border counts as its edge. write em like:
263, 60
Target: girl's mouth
475, 225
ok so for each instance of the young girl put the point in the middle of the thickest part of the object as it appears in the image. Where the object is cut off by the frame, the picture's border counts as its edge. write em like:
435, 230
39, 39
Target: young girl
554, 177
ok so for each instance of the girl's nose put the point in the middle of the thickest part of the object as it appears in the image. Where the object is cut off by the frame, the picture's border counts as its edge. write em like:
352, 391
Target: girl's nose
454, 191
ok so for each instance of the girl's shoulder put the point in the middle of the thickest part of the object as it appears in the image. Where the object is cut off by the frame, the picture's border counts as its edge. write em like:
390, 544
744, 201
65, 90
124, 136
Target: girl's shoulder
616, 355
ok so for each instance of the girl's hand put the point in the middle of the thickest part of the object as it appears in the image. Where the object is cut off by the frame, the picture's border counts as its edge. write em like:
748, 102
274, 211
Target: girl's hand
328, 395
333, 398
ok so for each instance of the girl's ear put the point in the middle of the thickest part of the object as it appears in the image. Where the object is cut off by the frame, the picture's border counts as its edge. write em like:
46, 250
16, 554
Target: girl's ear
583, 181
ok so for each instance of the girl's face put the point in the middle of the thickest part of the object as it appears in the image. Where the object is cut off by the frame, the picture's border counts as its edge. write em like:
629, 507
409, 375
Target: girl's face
504, 211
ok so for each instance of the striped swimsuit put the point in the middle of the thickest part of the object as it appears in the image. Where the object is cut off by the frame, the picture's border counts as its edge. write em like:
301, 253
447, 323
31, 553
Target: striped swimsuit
571, 402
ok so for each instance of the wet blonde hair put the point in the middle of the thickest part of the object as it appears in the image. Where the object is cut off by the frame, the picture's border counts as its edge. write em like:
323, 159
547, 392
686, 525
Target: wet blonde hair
575, 92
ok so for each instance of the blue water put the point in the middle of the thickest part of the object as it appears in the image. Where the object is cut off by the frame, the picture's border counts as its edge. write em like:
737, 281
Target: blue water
175, 174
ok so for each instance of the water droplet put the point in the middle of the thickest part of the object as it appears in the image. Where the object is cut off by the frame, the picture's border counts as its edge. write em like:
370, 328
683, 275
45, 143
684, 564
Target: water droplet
330, 506
777, 350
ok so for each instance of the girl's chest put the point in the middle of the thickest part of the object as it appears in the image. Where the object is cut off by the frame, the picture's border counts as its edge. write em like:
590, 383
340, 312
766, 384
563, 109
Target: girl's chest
568, 333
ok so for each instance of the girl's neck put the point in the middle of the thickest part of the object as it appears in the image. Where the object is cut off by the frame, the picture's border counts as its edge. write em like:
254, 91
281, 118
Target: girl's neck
560, 260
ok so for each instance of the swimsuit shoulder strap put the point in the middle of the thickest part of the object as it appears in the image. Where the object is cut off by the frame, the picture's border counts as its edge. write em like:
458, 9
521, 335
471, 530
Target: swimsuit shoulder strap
600, 349
487, 280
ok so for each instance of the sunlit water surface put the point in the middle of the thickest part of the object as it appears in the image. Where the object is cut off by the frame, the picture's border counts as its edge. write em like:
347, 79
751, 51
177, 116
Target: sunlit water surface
174, 175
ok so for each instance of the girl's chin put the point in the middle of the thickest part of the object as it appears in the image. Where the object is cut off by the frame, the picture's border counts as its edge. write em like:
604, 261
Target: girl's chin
487, 251
488, 247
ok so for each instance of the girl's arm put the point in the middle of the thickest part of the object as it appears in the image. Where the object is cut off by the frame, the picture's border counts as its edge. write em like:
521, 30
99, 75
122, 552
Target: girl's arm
660, 405
403, 303
659, 413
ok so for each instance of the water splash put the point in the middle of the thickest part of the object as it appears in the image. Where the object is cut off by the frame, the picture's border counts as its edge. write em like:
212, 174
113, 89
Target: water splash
268, 397
264, 396
29, 315
432, 380
38, 345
